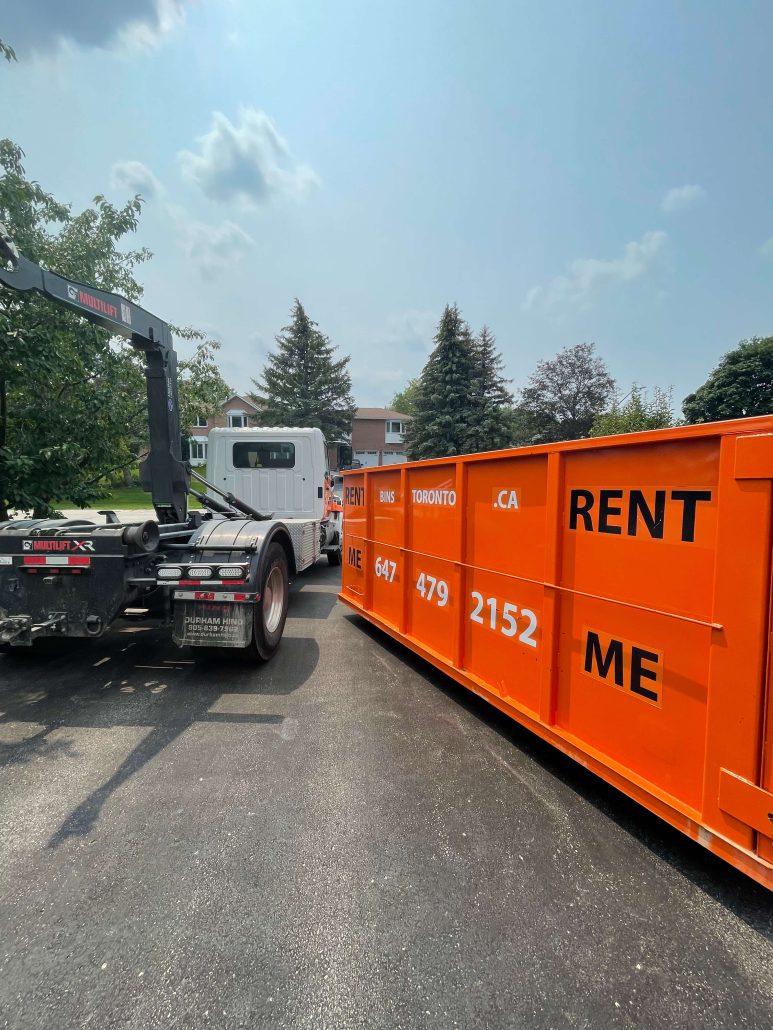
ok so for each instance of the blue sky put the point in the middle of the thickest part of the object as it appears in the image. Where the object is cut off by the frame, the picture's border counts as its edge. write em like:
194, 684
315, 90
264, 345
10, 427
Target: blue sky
563, 171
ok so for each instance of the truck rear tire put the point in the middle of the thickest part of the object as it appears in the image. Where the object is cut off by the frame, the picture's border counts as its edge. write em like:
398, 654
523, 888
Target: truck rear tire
271, 609
269, 615
334, 557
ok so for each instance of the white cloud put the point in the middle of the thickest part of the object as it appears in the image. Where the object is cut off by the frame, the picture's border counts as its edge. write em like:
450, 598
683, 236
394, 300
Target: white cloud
766, 250
392, 354
682, 197
148, 34
413, 330
249, 162
45, 25
135, 177
211, 247
586, 275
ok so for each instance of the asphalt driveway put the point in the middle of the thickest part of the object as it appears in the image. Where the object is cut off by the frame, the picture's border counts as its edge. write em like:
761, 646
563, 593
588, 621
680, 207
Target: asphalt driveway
342, 838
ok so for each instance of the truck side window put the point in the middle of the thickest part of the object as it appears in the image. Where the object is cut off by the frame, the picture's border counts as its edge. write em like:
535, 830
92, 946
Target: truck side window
261, 454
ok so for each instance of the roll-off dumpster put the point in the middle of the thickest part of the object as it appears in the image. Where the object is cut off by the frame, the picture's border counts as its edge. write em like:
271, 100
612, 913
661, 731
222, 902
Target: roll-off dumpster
612, 595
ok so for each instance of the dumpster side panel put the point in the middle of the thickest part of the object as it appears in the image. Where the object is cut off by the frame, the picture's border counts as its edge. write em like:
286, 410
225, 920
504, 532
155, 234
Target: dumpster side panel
434, 600
434, 511
505, 506
506, 543
504, 636
633, 514
386, 499
614, 596
637, 568
633, 684
353, 580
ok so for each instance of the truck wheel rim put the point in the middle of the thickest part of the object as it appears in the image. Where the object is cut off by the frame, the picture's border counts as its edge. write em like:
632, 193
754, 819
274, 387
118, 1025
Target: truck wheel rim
273, 599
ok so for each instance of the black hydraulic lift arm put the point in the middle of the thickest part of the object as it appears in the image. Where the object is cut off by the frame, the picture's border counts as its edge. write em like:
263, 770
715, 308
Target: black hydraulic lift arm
163, 473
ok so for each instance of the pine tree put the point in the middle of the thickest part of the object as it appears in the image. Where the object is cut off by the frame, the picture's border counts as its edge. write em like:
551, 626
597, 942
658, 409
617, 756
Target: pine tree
444, 405
635, 413
491, 427
302, 384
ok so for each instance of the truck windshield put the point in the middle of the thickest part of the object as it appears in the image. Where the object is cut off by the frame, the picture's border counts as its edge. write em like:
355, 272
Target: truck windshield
262, 454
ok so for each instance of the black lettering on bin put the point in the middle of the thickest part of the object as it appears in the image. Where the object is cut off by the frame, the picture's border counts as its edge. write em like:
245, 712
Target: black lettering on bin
689, 499
606, 510
654, 521
639, 655
603, 662
582, 511
354, 495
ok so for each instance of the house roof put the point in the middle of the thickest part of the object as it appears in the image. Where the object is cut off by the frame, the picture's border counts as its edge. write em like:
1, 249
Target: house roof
379, 413
243, 399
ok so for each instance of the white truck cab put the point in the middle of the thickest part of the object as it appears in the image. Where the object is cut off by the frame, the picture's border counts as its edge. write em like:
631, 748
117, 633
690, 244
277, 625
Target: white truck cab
284, 472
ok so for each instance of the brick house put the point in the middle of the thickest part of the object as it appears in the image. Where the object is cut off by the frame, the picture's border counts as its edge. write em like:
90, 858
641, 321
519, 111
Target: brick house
377, 436
237, 412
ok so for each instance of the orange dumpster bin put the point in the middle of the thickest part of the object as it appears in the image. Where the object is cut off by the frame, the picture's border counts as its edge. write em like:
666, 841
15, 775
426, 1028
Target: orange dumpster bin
612, 595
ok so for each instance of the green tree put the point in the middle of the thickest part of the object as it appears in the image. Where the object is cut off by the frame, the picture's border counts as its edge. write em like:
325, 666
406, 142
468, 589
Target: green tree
7, 51
67, 397
740, 386
404, 400
491, 426
302, 383
444, 409
524, 430
635, 412
200, 385
563, 396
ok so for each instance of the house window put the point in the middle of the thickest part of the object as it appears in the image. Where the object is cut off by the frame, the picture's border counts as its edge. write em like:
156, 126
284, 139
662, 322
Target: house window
264, 455
198, 450
394, 431
237, 420
202, 422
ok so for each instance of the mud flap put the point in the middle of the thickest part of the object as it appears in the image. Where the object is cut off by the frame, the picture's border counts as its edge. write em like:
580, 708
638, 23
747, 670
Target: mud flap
212, 624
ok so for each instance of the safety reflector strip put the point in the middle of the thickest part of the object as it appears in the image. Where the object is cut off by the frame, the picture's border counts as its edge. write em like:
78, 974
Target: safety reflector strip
197, 583
211, 595
51, 559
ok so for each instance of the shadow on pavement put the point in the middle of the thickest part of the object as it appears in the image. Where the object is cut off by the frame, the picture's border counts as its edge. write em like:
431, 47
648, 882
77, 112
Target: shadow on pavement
313, 604
128, 678
81, 822
737, 892
292, 665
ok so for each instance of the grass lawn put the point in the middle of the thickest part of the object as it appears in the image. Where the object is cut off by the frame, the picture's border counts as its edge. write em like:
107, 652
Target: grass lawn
120, 497
132, 497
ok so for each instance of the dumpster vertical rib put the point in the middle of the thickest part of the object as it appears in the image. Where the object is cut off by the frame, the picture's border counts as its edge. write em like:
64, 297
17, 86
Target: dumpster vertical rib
461, 500
738, 652
764, 844
404, 550
367, 546
551, 596
754, 458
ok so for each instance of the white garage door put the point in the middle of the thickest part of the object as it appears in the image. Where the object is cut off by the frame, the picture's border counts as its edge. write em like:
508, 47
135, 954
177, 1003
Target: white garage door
367, 458
394, 457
